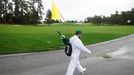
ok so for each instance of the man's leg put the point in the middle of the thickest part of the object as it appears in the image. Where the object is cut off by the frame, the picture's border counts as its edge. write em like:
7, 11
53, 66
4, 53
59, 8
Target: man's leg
79, 67
71, 67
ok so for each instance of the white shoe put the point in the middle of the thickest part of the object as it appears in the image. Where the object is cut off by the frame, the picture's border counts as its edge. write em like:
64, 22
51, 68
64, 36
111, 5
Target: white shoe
83, 72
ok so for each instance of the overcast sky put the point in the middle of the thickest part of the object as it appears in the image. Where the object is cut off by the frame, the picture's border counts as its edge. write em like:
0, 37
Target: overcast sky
81, 9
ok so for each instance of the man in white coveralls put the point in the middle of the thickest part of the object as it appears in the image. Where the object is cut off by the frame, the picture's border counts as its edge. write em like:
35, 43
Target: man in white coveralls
77, 47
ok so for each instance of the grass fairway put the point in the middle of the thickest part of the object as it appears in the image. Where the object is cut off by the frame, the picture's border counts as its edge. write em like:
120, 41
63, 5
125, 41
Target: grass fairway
16, 39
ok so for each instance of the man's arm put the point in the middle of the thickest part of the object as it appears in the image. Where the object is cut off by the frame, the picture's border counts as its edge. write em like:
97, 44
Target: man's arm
81, 46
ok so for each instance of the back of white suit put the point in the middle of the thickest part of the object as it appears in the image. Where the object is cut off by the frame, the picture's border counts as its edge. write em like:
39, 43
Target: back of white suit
77, 47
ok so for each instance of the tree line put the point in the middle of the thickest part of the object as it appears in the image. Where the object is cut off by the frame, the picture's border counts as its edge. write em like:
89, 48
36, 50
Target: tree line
124, 17
21, 11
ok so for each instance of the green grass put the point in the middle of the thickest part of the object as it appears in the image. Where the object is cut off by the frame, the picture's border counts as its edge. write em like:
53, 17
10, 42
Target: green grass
16, 39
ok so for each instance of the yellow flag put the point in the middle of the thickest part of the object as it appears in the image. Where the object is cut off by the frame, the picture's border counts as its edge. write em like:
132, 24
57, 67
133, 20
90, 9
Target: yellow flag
55, 12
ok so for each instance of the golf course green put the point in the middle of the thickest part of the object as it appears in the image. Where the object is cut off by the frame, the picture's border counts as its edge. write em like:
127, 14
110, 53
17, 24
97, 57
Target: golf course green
21, 39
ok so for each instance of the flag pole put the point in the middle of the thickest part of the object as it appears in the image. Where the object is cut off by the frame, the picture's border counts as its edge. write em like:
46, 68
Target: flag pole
62, 16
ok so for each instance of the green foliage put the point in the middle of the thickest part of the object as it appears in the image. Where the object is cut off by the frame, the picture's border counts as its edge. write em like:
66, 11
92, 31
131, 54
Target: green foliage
21, 11
125, 17
16, 39
48, 16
